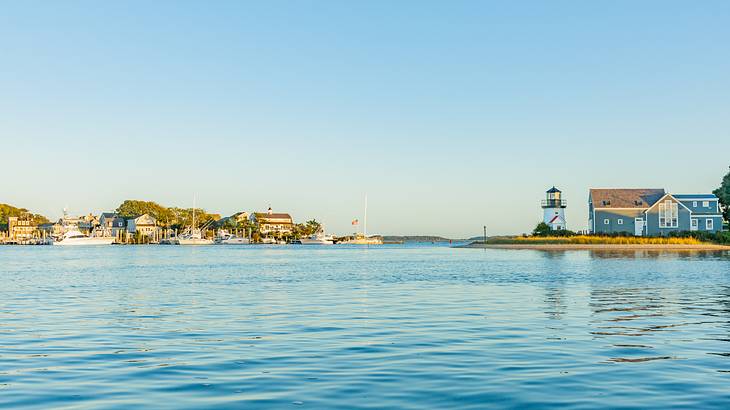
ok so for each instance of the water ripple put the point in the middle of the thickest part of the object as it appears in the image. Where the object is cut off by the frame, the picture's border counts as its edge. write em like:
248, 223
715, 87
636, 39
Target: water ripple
389, 327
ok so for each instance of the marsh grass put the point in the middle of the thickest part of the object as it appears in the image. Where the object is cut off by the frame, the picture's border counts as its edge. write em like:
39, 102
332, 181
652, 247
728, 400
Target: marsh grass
596, 240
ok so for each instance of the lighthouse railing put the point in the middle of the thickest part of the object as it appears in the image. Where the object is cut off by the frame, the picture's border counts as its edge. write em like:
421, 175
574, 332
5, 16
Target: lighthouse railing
554, 203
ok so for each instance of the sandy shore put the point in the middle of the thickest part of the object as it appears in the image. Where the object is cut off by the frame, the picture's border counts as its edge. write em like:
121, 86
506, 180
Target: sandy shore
704, 247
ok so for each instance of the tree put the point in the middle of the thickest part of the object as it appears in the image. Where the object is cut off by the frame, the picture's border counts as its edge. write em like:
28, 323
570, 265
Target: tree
7, 211
542, 229
723, 192
132, 208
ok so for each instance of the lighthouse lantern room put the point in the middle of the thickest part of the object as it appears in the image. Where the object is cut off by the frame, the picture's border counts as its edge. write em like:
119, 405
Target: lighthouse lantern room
553, 207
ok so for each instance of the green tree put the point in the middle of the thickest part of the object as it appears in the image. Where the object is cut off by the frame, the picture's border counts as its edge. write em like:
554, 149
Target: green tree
183, 217
7, 211
723, 192
542, 229
132, 208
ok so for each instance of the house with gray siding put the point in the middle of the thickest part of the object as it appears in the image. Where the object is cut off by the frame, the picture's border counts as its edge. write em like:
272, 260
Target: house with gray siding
651, 212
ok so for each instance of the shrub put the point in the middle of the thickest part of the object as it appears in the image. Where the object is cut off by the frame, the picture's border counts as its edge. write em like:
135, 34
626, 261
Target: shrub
543, 229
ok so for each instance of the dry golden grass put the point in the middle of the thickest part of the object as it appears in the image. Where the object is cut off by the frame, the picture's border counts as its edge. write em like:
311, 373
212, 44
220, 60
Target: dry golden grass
597, 240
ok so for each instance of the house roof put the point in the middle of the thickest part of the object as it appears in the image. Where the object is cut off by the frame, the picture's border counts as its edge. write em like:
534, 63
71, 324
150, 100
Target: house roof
107, 215
694, 196
264, 216
625, 198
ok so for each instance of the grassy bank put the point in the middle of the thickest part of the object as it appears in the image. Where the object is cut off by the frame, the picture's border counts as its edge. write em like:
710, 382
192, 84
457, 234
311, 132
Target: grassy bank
593, 240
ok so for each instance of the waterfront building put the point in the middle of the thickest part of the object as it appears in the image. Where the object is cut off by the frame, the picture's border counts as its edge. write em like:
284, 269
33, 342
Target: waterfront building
272, 223
21, 228
111, 224
651, 212
554, 209
241, 216
145, 225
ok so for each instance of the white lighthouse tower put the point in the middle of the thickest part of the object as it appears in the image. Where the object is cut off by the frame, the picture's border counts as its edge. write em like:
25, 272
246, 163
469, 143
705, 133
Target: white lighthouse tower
553, 207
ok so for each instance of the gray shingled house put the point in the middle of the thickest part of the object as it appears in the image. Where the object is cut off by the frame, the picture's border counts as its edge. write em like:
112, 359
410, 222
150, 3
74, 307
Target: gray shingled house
651, 212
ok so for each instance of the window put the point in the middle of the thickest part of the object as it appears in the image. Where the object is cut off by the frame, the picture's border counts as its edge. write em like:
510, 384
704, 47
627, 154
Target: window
709, 224
695, 224
694, 204
620, 221
668, 214
606, 221
705, 204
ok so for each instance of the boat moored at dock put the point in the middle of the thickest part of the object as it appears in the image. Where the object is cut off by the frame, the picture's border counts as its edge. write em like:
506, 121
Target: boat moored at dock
74, 237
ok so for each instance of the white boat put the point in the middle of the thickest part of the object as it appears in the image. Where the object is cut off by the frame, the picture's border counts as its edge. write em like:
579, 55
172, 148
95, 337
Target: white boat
225, 238
319, 238
193, 236
360, 239
74, 237
272, 241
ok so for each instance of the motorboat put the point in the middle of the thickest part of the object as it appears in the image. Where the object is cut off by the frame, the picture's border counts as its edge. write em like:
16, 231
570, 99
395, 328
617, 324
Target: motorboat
318, 238
272, 241
74, 237
225, 238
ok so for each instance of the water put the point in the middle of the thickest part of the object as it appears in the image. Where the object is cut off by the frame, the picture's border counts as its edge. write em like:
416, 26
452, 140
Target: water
345, 327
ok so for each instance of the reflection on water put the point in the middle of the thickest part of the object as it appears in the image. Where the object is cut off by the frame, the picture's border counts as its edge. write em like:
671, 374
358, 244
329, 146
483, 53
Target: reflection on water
385, 327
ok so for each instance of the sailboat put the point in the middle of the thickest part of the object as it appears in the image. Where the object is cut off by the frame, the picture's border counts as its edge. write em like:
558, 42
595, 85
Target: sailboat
362, 238
193, 235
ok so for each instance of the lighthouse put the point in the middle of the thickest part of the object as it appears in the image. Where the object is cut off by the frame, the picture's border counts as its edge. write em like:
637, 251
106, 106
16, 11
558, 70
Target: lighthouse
553, 207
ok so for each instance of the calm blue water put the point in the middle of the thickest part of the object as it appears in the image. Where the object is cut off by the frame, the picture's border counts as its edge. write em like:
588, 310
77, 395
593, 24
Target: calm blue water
339, 327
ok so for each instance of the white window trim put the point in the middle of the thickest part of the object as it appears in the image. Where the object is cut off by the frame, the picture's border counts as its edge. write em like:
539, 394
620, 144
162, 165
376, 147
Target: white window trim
620, 221
709, 224
694, 204
705, 204
606, 221
668, 214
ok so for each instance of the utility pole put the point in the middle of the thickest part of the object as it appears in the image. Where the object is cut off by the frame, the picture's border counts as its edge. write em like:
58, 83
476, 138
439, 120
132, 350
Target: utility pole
485, 234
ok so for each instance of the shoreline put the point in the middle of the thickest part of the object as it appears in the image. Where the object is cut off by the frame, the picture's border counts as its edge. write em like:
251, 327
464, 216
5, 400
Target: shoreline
562, 247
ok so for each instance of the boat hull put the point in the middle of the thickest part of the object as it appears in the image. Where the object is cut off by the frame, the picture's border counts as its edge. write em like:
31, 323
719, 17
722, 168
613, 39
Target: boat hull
369, 241
237, 241
84, 241
307, 241
182, 241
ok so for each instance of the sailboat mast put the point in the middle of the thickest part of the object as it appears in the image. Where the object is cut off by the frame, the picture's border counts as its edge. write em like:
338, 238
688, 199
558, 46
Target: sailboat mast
193, 227
365, 224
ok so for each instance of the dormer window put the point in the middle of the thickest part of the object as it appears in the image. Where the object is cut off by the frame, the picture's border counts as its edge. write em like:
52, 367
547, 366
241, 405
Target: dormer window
705, 204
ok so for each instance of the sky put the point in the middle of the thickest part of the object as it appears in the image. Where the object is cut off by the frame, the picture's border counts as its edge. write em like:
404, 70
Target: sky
449, 116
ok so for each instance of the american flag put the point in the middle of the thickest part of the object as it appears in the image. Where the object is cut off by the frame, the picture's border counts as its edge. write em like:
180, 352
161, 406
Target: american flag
355, 222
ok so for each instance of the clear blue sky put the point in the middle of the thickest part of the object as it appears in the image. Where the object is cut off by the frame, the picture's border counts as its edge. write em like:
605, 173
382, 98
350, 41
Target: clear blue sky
449, 115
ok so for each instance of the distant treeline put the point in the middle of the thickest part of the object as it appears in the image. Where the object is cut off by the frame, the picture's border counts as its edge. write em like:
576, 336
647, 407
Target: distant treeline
167, 217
